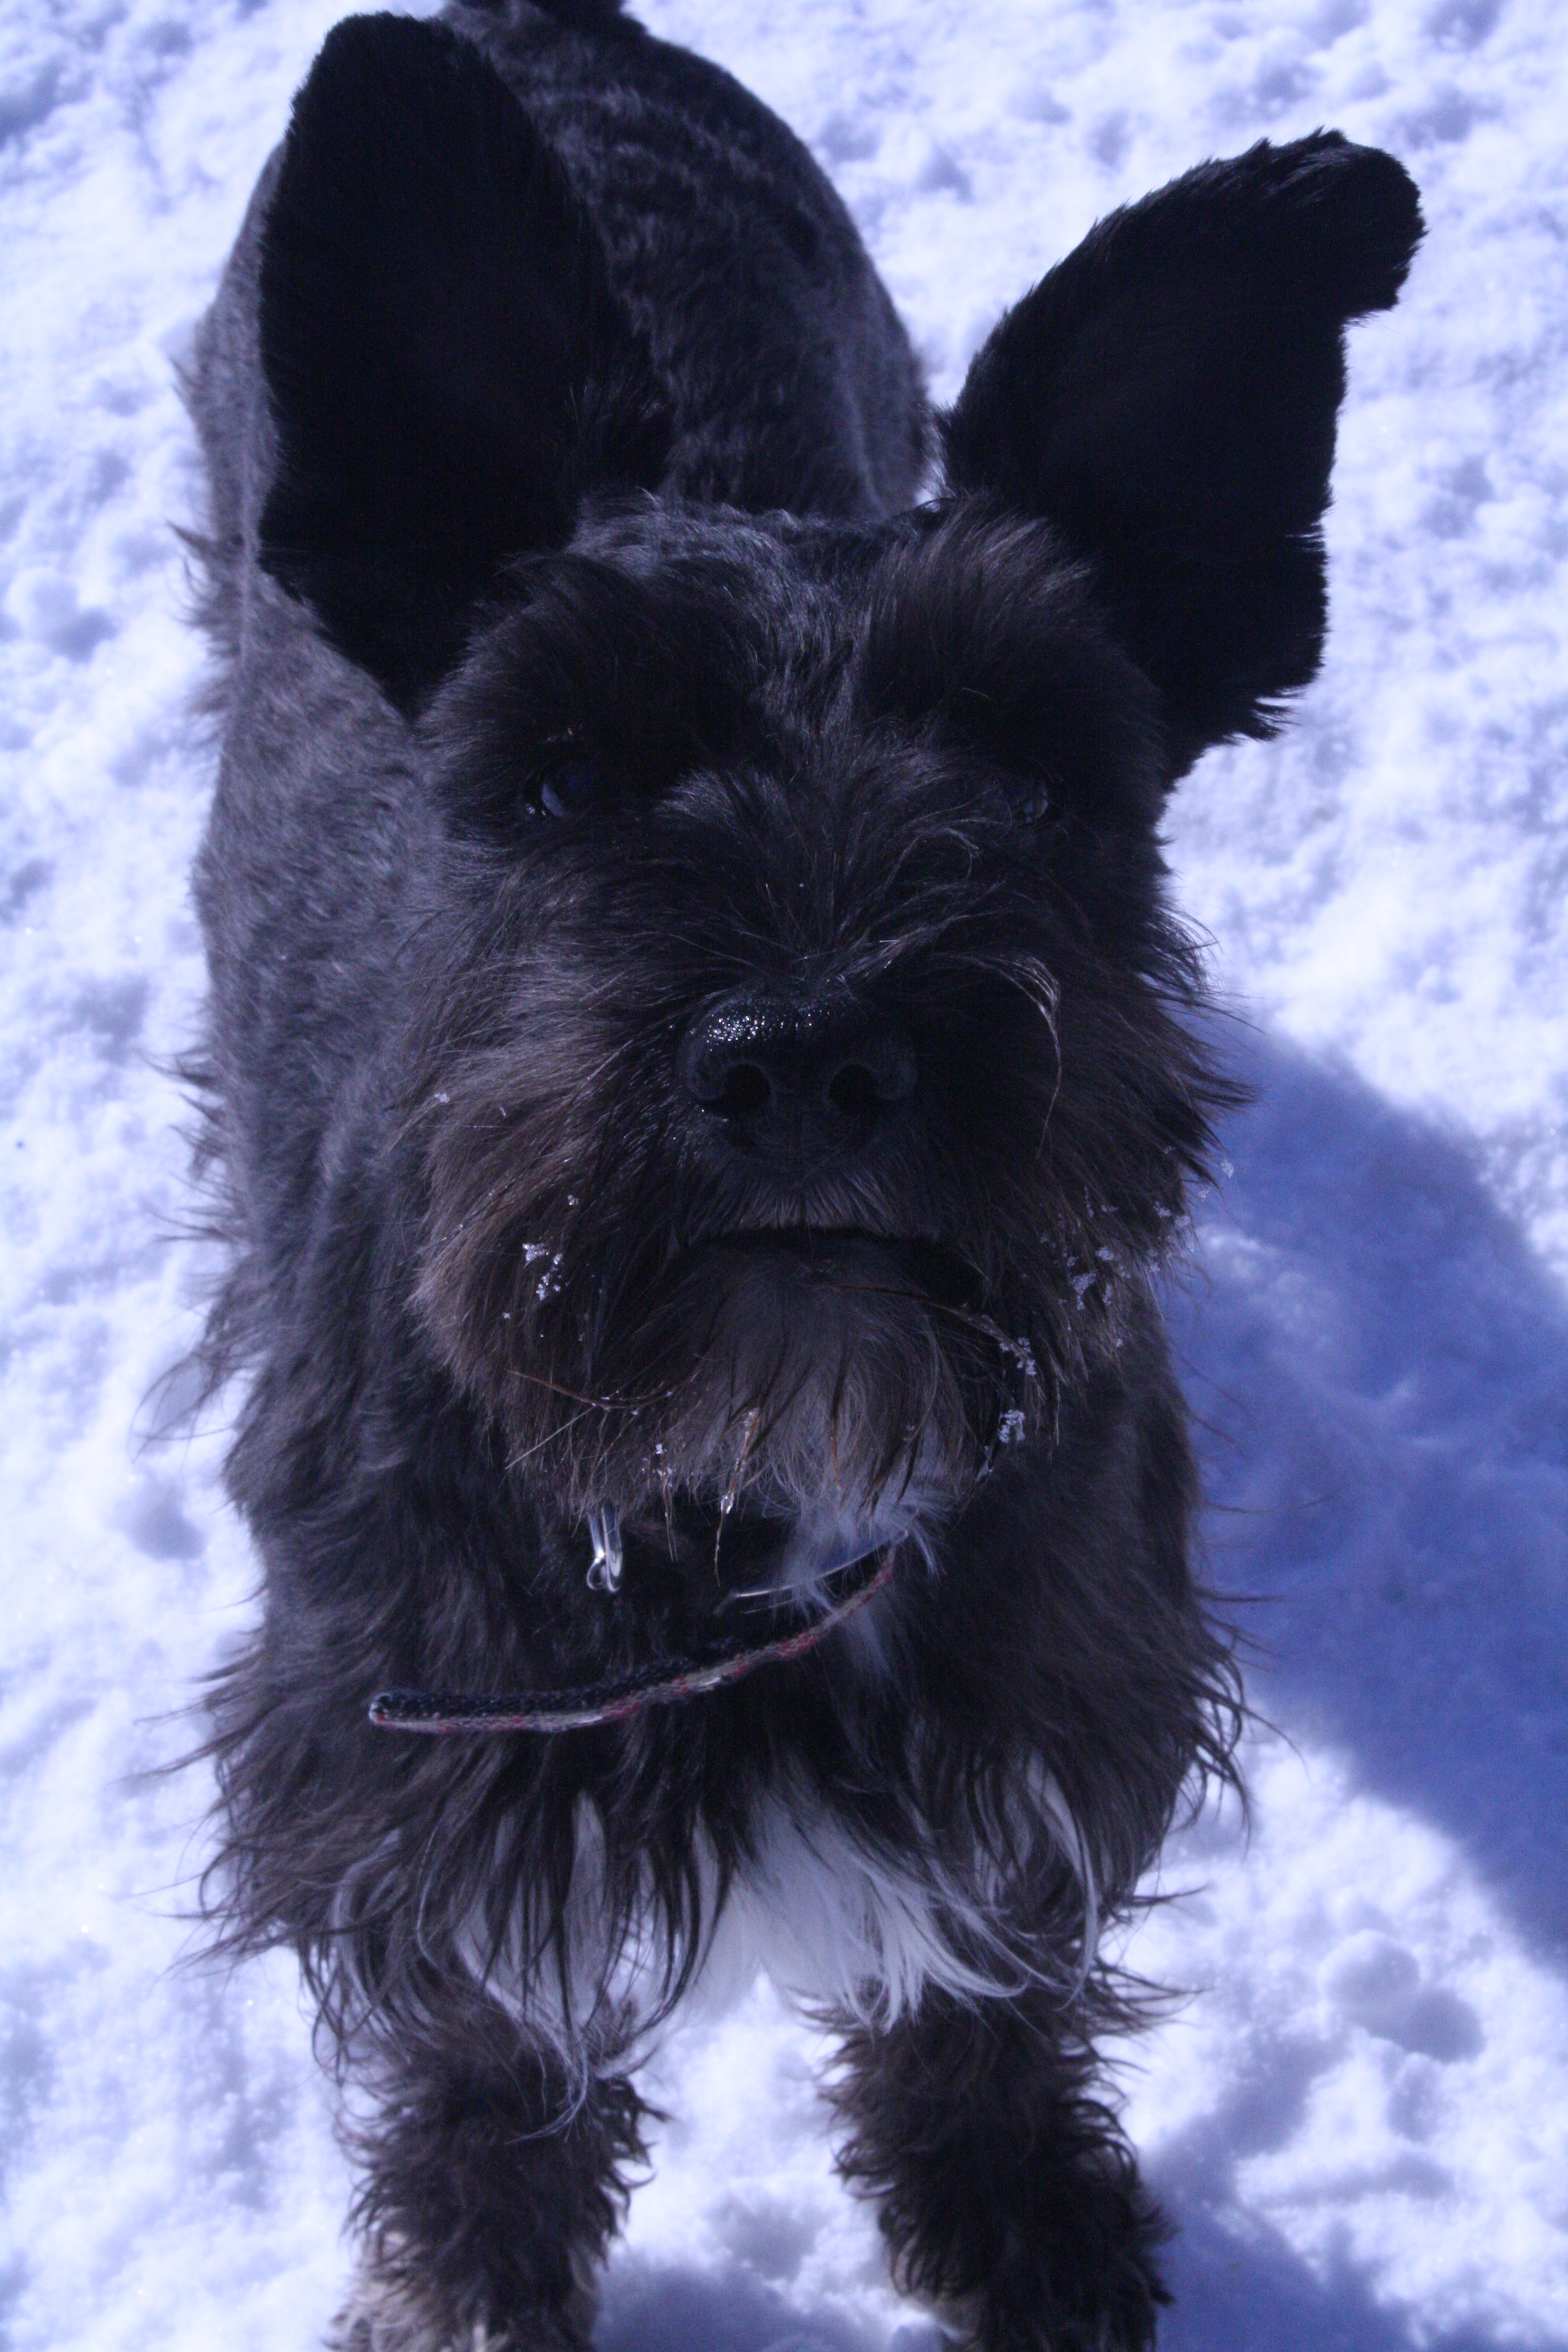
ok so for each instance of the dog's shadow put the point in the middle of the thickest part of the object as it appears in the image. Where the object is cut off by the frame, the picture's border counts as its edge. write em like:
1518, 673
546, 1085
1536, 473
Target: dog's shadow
1256, 2295
1230, 2295
654, 2308
1379, 1365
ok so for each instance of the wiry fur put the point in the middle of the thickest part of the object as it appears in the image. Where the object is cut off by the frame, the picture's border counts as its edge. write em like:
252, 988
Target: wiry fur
697, 1031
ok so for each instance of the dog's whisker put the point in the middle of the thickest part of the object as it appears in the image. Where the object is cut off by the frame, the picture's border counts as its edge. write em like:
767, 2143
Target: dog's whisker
552, 1437
605, 1534
727, 1500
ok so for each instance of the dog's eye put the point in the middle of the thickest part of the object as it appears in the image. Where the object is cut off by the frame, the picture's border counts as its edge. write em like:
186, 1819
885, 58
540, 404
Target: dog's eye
1030, 797
571, 785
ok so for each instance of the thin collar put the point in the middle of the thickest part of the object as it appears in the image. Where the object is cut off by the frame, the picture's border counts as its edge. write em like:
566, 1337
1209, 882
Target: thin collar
659, 1683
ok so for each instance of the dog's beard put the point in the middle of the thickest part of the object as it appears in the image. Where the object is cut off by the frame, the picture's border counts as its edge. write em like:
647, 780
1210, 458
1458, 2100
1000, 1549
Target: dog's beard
774, 1404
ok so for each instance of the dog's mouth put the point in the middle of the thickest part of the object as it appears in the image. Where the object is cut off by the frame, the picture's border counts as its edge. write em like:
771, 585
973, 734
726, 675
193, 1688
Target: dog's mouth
856, 1257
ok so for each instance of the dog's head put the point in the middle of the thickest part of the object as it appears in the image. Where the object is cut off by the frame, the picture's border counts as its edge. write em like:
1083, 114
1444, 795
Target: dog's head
804, 1093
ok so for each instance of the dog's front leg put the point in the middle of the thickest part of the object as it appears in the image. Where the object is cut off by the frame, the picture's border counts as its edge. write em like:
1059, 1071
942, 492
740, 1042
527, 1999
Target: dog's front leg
1009, 2200
492, 2185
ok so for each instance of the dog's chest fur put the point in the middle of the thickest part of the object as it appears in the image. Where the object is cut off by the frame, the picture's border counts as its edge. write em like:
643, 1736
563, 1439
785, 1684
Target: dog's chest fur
701, 1085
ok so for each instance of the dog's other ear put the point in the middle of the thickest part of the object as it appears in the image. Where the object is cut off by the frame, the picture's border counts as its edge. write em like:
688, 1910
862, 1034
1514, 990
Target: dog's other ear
1167, 396
447, 366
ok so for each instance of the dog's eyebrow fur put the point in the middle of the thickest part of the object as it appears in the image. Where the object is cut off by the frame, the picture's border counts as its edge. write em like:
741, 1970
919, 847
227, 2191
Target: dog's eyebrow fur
985, 626
647, 671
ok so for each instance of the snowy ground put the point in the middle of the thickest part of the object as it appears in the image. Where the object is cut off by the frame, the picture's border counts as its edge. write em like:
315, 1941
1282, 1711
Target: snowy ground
1361, 2119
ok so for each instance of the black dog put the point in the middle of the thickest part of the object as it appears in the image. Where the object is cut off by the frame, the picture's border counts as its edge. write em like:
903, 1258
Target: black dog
699, 1069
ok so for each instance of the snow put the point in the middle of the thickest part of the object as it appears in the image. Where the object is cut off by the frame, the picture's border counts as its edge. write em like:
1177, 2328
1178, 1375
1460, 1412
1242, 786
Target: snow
1358, 2114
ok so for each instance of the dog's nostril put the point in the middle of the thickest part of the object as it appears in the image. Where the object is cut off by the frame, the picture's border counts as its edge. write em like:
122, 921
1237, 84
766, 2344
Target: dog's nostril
880, 1070
854, 1091
745, 1091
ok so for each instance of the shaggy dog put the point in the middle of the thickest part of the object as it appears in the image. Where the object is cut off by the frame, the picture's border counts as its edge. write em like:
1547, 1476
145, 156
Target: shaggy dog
701, 1076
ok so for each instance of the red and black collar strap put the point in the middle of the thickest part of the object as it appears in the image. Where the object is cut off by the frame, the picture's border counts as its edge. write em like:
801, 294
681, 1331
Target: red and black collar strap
659, 1683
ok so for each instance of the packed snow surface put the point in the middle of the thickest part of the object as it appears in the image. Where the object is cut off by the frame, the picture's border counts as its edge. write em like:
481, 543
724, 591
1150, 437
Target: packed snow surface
1359, 2115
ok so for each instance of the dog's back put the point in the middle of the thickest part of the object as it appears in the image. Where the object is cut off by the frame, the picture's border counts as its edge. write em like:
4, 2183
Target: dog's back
792, 377
790, 372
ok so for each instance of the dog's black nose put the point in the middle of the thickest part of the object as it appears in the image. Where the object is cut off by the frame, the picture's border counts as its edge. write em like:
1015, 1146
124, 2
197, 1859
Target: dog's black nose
796, 1071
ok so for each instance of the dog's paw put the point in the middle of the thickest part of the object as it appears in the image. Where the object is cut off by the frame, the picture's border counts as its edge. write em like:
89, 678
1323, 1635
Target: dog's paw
379, 2319
1083, 2279
985, 2322
384, 2316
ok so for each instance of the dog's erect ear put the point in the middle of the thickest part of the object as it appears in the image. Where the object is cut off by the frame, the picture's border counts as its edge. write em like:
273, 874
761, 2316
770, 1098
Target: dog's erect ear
449, 368
1167, 396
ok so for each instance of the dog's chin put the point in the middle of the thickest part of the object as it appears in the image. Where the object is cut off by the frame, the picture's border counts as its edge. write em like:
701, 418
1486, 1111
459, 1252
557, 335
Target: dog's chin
744, 1564
811, 1396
